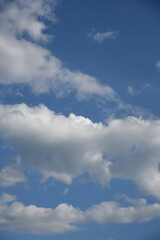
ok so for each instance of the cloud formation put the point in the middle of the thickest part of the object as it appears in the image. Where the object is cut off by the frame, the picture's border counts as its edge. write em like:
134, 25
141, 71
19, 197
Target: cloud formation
39, 220
25, 61
67, 147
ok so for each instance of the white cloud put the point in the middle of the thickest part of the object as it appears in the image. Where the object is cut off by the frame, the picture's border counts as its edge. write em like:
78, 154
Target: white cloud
67, 147
21, 17
40, 220
26, 62
9, 176
62, 147
100, 37
107, 212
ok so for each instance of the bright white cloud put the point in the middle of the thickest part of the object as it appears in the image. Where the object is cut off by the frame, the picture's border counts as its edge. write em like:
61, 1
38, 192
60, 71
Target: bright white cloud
67, 147
64, 217
26, 62
101, 36
9, 176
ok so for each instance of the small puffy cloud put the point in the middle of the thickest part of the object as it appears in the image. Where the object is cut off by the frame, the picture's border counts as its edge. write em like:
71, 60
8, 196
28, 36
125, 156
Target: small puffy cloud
101, 36
25, 61
67, 147
39, 220
9, 176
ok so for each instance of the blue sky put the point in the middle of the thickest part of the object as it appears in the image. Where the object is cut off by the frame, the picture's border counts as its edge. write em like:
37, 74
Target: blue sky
79, 120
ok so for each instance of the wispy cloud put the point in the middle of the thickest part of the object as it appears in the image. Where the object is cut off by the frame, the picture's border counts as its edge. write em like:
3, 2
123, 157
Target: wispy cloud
101, 36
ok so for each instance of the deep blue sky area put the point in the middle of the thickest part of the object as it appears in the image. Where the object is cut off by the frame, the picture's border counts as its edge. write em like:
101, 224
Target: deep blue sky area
65, 176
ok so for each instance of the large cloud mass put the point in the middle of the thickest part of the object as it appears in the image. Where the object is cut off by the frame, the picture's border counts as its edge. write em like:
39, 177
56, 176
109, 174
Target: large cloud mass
66, 147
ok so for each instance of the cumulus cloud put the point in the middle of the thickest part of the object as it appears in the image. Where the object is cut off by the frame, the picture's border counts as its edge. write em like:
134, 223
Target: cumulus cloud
32, 219
101, 36
25, 61
66, 147
9, 176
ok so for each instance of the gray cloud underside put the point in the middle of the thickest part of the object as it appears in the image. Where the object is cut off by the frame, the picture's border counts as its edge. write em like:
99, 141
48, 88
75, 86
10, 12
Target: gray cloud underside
39, 220
67, 147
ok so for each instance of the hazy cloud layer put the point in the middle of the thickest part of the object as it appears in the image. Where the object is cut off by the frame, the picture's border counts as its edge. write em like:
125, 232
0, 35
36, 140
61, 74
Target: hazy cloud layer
25, 61
39, 220
66, 147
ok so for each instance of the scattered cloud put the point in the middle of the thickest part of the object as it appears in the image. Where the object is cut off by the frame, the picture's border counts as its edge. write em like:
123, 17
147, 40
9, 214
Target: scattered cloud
126, 148
9, 176
39, 220
101, 36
